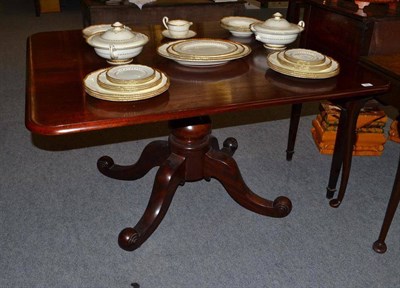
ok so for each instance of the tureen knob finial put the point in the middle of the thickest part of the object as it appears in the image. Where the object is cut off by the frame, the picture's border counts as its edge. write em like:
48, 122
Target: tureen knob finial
118, 27
117, 24
277, 16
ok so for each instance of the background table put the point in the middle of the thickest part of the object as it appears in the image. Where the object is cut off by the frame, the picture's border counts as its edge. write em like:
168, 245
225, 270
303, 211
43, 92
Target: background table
95, 12
337, 29
389, 66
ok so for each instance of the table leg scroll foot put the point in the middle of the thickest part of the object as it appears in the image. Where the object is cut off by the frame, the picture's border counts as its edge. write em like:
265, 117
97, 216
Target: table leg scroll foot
154, 154
230, 145
335, 203
167, 180
127, 239
379, 247
222, 167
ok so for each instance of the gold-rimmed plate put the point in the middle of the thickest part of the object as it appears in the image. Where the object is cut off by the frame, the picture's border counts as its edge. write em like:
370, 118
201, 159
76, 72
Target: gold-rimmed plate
304, 56
274, 64
130, 74
203, 48
94, 90
103, 82
301, 66
240, 49
203, 61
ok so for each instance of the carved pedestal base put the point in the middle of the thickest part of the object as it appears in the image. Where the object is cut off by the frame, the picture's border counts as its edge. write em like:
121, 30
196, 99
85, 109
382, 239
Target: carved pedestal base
190, 154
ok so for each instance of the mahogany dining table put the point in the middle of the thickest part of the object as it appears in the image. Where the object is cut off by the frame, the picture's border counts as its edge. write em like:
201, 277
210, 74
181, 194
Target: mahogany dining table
57, 104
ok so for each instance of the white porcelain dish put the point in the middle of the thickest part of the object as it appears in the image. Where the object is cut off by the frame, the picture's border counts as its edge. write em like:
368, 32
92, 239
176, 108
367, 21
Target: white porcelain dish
277, 32
239, 26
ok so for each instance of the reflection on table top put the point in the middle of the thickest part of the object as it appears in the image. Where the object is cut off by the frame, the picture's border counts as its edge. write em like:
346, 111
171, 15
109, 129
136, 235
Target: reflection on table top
58, 61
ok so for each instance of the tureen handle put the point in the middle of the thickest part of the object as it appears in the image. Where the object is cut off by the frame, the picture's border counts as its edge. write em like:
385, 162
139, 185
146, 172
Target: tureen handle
112, 50
301, 24
165, 21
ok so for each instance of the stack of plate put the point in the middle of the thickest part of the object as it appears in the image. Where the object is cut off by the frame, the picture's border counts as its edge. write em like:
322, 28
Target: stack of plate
203, 51
303, 63
126, 83
238, 26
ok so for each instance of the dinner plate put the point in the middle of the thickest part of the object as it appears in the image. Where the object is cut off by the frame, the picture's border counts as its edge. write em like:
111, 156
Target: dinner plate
130, 74
103, 82
301, 66
274, 64
304, 56
94, 90
190, 34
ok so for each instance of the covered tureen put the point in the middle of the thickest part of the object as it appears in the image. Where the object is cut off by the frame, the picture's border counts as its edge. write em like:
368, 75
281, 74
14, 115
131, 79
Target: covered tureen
119, 44
277, 32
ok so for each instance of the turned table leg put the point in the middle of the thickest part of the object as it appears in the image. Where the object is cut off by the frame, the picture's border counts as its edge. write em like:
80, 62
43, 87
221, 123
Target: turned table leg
191, 154
343, 152
294, 125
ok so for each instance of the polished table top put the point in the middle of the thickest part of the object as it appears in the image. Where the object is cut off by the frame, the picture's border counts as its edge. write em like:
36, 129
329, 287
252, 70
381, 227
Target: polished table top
58, 61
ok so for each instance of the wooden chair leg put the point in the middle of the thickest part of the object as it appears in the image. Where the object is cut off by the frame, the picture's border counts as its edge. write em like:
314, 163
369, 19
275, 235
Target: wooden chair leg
37, 7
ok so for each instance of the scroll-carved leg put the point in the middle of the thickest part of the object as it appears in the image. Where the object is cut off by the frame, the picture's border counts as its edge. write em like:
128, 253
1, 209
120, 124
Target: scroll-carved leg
154, 154
346, 143
168, 178
380, 245
294, 125
221, 166
191, 154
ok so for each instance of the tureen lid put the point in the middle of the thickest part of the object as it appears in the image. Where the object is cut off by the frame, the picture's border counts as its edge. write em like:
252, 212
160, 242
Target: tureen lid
278, 25
118, 35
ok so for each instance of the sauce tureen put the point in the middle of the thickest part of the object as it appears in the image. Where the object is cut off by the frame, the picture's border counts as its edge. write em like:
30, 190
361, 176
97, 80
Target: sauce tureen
276, 32
119, 44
